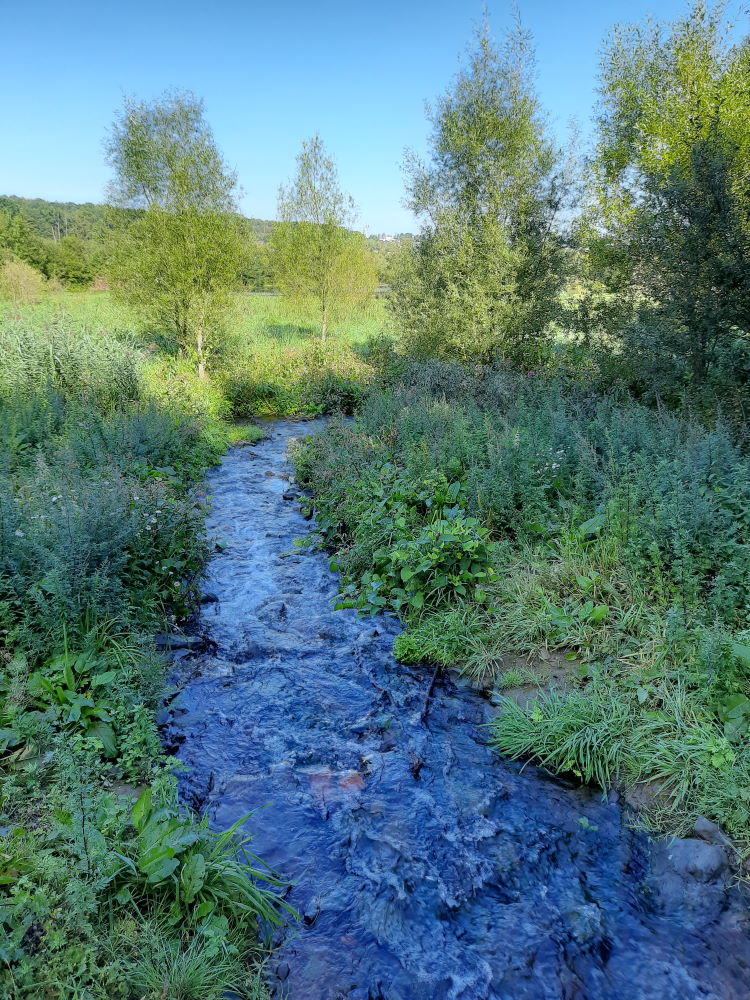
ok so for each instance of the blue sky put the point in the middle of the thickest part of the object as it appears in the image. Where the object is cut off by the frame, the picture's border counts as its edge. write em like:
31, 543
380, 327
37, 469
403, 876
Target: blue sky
271, 74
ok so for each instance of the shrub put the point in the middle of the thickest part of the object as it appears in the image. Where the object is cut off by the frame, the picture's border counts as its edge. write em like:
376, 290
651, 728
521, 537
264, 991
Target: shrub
313, 378
448, 559
20, 283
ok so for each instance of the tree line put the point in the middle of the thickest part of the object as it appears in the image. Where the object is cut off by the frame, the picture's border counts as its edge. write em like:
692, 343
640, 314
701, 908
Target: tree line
637, 255
640, 254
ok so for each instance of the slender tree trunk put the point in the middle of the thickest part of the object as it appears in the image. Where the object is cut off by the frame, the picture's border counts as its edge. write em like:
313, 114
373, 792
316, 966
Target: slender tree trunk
199, 353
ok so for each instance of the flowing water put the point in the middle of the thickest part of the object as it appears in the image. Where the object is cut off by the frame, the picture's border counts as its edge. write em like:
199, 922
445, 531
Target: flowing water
424, 867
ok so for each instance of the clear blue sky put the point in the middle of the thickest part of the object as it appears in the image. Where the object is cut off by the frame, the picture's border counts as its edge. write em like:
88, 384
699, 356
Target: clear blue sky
272, 74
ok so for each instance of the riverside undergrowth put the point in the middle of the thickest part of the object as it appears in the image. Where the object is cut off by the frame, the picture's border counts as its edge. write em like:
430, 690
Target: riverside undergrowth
520, 520
108, 888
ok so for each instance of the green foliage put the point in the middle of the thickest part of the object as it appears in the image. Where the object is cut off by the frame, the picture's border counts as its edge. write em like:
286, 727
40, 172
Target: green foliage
585, 734
101, 545
448, 559
482, 276
601, 735
180, 260
166, 967
302, 377
502, 512
190, 875
122, 895
43, 236
59, 355
672, 169
20, 282
314, 256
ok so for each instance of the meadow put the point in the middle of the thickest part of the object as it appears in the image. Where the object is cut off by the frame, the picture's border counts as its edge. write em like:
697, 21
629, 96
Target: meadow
546, 475
271, 361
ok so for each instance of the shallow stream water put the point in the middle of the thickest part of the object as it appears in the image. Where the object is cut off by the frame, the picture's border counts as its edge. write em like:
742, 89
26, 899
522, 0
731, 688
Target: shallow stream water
424, 867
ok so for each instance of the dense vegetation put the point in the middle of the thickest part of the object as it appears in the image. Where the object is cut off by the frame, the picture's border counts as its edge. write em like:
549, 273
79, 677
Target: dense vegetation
108, 887
547, 476
527, 529
565, 512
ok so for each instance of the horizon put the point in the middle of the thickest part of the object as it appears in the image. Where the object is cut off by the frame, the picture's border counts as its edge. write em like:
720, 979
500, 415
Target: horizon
363, 90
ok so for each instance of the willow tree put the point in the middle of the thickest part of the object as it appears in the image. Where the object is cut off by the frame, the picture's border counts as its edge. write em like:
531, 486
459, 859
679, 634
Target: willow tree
673, 172
179, 257
483, 274
315, 255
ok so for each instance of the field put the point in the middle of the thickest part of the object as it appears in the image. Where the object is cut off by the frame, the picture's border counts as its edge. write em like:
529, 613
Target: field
272, 361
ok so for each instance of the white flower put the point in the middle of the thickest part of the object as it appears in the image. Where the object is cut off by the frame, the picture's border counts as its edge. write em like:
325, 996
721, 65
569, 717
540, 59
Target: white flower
19, 533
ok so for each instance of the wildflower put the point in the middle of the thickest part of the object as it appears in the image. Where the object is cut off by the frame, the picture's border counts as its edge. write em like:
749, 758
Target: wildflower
19, 533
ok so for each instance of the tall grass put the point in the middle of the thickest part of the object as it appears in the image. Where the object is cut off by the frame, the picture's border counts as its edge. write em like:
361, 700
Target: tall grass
271, 362
78, 363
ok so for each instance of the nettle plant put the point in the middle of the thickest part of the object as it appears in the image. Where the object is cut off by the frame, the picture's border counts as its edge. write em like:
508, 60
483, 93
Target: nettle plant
431, 563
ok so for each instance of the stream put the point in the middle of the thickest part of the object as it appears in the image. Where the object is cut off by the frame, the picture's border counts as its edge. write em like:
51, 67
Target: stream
424, 867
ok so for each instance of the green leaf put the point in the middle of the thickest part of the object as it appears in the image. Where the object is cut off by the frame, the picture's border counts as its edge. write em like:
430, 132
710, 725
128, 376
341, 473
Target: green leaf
98, 680
204, 909
141, 809
103, 732
192, 876
159, 868
592, 527
742, 653
69, 676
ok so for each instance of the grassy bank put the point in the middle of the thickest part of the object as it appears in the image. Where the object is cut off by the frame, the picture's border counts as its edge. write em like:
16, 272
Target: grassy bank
272, 361
108, 888
581, 549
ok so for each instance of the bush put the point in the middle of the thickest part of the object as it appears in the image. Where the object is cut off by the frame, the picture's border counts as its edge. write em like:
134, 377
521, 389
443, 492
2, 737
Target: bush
20, 283
448, 559
310, 379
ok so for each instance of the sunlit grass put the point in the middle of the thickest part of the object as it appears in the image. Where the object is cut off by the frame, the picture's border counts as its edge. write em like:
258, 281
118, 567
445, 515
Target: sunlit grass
264, 322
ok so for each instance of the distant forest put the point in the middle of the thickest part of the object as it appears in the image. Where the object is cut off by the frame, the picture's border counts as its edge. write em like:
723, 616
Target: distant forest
68, 242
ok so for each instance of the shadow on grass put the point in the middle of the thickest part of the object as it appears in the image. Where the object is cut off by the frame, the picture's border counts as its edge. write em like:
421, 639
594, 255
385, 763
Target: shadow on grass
283, 331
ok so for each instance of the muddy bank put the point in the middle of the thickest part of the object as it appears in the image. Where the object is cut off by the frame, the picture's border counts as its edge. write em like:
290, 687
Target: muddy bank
424, 867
